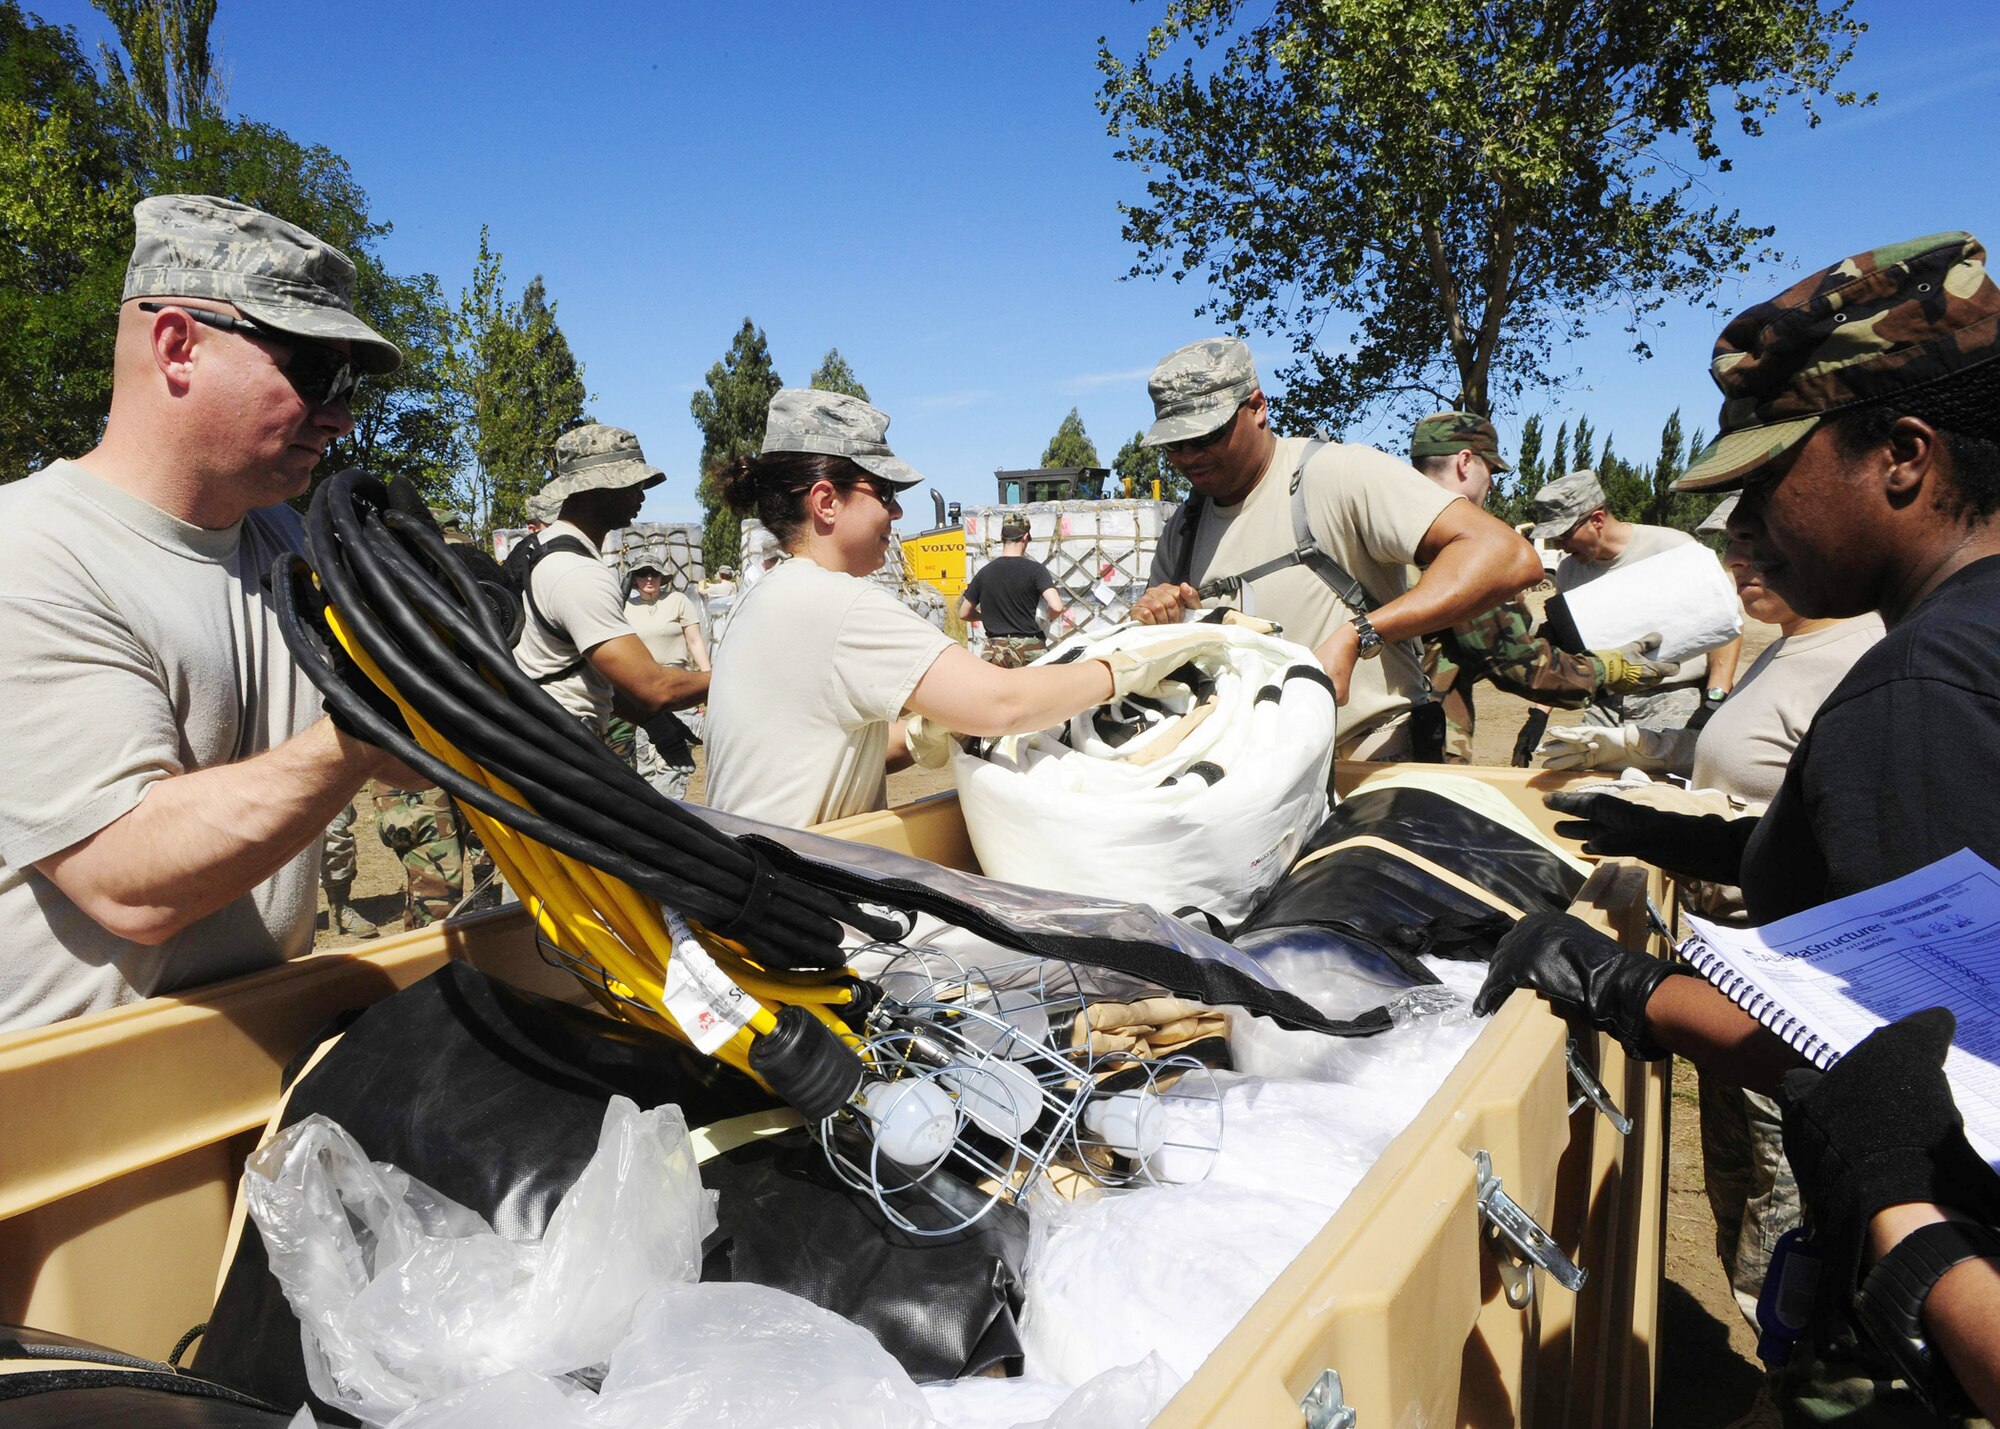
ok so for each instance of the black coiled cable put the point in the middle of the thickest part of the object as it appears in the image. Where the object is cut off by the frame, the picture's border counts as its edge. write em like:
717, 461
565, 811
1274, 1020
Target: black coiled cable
421, 616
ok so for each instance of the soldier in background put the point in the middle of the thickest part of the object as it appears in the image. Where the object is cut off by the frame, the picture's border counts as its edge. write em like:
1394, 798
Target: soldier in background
1460, 451
336, 877
444, 864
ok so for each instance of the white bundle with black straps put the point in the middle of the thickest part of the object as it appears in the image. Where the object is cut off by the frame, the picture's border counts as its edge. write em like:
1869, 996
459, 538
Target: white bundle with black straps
1196, 801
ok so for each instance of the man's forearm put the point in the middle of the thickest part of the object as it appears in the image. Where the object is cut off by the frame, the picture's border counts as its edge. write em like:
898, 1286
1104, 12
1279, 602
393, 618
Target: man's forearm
1469, 575
196, 842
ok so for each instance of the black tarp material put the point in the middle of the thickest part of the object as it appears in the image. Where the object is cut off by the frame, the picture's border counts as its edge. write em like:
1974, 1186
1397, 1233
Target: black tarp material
494, 1097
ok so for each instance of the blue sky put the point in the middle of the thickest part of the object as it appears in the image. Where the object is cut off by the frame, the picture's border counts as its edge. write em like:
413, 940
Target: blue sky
930, 189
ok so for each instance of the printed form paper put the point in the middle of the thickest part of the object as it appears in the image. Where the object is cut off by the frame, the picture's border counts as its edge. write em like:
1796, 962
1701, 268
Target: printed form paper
1928, 939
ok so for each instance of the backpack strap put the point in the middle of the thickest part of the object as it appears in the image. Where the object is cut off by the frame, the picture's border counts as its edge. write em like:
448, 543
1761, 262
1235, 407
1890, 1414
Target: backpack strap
561, 545
1306, 551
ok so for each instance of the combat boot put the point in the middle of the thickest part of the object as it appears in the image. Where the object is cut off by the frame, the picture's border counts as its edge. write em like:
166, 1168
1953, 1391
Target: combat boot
344, 917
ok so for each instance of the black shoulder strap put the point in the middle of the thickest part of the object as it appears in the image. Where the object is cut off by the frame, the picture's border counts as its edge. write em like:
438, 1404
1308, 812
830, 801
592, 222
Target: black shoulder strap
1306, 551
1173, 557
563, 545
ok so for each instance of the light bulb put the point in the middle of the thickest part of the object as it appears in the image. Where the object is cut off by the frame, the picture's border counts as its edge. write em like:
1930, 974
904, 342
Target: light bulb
913, 1121
1130, 1123
1002, 1098
1021, 1009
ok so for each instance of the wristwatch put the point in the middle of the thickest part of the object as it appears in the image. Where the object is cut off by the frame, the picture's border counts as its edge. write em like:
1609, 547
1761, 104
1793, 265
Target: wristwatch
1890, 1304
1371, 643
1715, 695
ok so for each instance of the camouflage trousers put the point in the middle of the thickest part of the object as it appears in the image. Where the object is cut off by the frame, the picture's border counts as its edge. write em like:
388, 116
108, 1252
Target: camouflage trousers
668, 765
442, 859
1659, 709
1011, 652
621, 737
337, 858
1750, 1185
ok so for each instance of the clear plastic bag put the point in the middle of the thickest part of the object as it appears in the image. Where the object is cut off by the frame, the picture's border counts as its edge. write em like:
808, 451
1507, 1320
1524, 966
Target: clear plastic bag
403, 1295
1128, 1397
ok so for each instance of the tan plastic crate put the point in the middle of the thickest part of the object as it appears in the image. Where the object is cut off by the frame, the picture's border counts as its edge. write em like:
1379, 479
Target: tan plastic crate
122, 1136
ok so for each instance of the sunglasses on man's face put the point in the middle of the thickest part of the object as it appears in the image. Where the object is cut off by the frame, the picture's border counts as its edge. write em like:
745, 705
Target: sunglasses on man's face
322, 375
1206, 440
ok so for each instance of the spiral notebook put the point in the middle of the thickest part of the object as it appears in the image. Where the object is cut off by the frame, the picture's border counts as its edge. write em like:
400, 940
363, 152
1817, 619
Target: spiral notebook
1825, 978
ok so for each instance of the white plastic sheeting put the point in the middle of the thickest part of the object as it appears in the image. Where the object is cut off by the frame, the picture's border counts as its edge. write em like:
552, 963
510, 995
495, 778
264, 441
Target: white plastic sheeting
1123, 1398
1684, 594
1201, 810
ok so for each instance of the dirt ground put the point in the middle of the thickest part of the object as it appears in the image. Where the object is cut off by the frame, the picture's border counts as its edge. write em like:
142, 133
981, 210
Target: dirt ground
1708, 1374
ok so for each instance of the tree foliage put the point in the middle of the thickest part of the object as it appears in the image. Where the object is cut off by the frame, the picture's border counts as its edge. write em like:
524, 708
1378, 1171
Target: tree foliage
1138, 467
518, 386
165, 82
731, 411
834, 375
1464, 183
1071, 445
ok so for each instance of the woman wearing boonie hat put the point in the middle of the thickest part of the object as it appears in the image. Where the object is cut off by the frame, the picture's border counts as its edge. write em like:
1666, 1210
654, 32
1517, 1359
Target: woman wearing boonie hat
811, 689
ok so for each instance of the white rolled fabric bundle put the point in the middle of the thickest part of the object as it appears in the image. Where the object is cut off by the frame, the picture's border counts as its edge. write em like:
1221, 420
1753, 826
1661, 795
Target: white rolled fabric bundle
1196, 806
1683, 594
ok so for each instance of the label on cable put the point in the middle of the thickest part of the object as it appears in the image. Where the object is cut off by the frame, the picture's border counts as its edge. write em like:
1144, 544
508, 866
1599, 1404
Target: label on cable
703, 999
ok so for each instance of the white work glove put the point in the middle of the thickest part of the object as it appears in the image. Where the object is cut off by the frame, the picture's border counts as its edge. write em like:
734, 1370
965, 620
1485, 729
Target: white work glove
930, 743
1625, 746
1140, 671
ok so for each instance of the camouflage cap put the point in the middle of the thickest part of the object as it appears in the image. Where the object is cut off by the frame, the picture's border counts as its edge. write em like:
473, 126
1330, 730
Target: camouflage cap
804, 419
1449, 433
446, 520
1013, 529
194, 246
541, 510
1873, 325
1566, 501
1716, 523
1197, 388
595, 458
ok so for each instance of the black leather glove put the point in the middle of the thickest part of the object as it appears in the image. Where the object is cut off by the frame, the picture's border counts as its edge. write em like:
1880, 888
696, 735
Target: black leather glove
1583, 974
1705, 846
1881, 1129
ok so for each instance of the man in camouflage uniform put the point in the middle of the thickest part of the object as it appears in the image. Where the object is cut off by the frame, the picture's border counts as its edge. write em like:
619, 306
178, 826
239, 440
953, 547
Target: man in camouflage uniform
1460, 451
443, 862
336, 877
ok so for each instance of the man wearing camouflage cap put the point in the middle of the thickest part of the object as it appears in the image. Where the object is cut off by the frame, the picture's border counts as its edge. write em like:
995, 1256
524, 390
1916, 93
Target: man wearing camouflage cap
1572, 513
1460, 451
577, 642
1860, 428
169, 775
1319, 537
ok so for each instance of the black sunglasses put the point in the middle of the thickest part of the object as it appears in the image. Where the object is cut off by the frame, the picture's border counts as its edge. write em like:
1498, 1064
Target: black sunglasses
320, 374
1206, 440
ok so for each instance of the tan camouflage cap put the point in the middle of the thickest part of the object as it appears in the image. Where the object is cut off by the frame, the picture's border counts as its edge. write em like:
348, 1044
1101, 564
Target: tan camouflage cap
1566, 501
542, 510
804, 419
194, 246
1873, 325
1449, 433
1716, 523
1197, 388
595, 458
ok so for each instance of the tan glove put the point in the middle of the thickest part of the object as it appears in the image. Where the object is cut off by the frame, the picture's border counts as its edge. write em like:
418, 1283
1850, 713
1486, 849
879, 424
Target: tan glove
1139, 672
930, 743
1625, 746
1631, 667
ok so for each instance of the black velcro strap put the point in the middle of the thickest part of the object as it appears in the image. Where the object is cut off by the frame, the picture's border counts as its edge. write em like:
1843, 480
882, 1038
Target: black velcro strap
1075, 652
1191, 913
1208, 770
755, 897
1310, 672
1269, 694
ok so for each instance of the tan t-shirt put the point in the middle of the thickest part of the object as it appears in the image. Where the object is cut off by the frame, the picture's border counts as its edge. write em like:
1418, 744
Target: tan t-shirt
816, 666
1744, 747
579, 596
1646, 541
1370, 512
663, 624
133, 648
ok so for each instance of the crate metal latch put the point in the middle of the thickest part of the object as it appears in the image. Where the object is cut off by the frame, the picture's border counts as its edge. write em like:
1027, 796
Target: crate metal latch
1527, 1244
1591, 1090
1325, 1407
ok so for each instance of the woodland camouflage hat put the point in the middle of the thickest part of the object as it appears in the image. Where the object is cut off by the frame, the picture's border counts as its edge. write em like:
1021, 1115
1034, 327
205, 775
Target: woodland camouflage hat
274, 272
1871, 326
1449, 433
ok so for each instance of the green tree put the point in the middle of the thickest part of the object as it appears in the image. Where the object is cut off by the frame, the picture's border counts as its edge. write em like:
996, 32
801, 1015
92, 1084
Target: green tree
518, 387
406, 423
731, 413
1559, 454
1137, 467
1071, 445
165, 81
1466, 182
1514, 495
1581, 444
66, 192
834, 375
